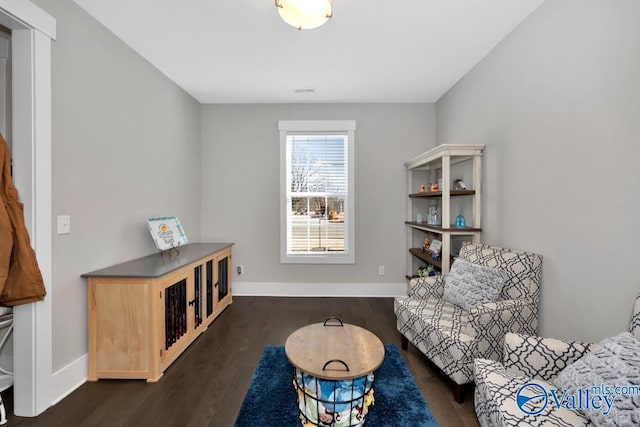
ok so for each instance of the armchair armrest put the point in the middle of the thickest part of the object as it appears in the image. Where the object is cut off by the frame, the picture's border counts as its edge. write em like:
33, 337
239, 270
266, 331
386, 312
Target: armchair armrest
541, 358
425, 287
488, 324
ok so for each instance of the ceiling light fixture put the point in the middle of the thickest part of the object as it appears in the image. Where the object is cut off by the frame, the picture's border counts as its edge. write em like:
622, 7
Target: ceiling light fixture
305, 14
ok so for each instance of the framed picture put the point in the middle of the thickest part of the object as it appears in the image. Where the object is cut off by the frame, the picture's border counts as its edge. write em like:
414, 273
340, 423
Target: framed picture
167, 232
435, 246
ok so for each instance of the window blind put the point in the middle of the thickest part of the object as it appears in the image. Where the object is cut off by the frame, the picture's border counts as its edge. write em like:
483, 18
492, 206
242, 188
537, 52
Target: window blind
317, 193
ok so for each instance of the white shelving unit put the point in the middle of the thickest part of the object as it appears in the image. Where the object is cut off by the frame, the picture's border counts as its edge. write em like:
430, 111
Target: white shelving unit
429, 167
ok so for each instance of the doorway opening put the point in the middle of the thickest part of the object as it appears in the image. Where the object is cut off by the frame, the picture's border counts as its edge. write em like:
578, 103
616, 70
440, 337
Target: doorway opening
31, 31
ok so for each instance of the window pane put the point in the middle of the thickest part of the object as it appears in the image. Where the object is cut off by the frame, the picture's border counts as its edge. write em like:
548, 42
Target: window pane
318, 163
316, 225
317, 194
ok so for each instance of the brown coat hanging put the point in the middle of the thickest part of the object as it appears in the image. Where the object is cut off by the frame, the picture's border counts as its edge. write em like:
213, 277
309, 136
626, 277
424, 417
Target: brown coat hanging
20, 278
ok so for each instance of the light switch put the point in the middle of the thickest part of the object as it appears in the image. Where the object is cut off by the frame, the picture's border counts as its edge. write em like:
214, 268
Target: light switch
64, 224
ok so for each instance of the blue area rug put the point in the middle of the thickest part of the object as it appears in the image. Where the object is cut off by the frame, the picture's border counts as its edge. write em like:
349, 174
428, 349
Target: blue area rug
271, 399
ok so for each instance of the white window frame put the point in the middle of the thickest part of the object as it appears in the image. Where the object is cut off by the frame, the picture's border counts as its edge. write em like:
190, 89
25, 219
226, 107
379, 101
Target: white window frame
348, 127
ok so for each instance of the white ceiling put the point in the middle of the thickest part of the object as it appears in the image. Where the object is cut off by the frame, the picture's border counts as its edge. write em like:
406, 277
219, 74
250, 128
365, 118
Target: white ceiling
240, 51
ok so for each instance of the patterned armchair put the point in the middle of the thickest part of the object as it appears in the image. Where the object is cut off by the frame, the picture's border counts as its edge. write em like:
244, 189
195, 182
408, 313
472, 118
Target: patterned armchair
452, 337
526, 359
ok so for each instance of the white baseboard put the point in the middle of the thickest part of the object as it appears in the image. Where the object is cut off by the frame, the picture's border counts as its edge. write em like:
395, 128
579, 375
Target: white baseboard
70, 378
288, 289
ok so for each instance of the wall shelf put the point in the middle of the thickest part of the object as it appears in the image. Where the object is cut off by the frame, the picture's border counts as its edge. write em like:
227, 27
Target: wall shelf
439, 193
435, 166
424, 256
437, 229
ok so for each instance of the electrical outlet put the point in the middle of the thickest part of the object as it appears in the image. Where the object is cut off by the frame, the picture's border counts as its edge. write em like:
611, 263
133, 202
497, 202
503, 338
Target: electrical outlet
381, 270
240, 269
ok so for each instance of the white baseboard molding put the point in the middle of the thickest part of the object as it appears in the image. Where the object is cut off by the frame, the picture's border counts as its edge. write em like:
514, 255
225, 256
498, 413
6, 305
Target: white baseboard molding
289, 289
70, 378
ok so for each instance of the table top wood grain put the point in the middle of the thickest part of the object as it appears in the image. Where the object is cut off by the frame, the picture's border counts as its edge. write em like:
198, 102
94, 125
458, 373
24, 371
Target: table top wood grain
311, 347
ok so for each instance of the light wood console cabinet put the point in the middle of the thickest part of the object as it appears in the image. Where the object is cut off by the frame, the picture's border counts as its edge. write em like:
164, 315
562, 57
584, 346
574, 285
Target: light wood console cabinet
144, 313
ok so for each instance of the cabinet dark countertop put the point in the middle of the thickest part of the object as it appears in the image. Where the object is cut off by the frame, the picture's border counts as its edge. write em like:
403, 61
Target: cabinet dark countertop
160, 263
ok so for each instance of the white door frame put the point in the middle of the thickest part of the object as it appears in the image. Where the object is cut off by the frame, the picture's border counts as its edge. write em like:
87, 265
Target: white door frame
32, 31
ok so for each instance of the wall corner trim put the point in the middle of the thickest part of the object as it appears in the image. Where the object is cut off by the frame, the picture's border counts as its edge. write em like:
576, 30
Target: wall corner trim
69, 378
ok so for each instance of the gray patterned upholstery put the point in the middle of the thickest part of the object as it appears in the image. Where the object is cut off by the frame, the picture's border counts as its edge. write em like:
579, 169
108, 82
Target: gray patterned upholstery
469, 284
540, 358
528, 358
523, 270
495, 400
426, 287
452, 337
435, 327
615, 362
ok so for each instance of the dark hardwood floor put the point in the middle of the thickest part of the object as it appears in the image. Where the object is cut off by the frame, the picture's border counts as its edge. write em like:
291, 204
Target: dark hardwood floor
206, 385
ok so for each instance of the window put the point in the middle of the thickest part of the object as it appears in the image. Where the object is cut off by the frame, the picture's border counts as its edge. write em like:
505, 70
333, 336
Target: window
316, 192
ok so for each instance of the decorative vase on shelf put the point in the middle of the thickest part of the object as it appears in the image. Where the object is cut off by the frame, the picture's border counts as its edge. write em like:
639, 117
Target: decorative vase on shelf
433, 217
461, 222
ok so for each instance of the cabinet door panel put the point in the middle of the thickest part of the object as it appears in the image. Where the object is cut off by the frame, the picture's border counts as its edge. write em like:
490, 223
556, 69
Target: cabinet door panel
122, 325
176, 292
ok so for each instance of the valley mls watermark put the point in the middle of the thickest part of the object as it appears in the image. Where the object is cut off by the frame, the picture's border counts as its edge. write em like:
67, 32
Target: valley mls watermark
533, 398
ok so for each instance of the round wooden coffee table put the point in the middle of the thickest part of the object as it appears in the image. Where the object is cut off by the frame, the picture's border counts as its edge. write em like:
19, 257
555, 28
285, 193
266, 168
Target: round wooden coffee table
334, 364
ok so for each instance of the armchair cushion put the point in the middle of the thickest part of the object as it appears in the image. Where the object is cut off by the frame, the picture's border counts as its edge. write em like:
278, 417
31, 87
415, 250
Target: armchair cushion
436, 327
541, 358
469, 285
488, 324
523, 270
495, 400
433, 314
425, 287
614, 362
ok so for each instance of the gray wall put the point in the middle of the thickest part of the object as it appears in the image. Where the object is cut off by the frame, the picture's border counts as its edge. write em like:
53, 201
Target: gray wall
241, 179
557, 103
126, 144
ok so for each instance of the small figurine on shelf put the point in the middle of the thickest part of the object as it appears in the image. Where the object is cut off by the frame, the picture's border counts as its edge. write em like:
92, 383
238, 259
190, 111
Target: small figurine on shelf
459, 184
434, 187
425, 245
461, 222
426, 271
423, 188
